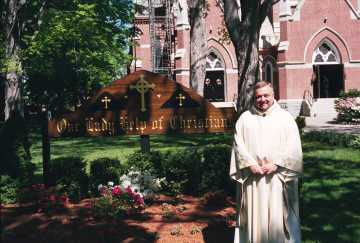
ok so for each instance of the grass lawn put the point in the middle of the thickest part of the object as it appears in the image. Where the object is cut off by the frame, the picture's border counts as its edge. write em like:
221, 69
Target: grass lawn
330, 194
330, 187
91, 148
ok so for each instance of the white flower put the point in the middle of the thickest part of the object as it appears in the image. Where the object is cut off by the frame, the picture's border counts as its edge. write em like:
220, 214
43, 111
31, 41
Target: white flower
110, 183
125, 183
100, 186
135, 188
357, 100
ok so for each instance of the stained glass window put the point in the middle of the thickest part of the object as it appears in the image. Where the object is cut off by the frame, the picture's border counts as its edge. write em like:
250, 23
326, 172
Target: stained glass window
325, 54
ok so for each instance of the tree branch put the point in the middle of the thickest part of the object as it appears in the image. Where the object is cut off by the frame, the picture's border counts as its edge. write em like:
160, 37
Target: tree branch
232, 19
265, 9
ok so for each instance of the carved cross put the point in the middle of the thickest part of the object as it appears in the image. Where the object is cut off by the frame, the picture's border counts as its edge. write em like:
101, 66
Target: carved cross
106, 100
142, 86
180, 97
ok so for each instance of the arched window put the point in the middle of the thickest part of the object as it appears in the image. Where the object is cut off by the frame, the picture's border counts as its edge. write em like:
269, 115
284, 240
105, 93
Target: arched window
328, 72
214, 83
326, 53
269, 72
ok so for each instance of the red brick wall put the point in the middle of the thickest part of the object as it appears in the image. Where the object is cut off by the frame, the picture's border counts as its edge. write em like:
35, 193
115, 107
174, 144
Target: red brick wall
318, 20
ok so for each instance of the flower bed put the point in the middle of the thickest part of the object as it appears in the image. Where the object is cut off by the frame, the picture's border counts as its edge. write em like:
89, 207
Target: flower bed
348, 107
116, 202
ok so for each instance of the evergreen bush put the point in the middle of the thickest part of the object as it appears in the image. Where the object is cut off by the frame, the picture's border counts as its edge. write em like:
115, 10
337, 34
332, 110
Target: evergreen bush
332, 138
15, 147
301, 123
103, 170
215, 169
9, 189
149, 162
69, 174
181, 170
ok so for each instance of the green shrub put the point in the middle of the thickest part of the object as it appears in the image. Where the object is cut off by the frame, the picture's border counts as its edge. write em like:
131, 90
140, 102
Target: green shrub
69, 171
15, 146
332, 138
301, 123
150, 162
9, 189
181, 170
355, 143
215, 169
103, 170
188, 170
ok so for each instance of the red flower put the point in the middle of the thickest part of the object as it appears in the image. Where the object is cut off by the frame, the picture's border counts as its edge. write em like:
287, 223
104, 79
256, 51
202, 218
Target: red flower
138, 199
64, 199
130, 191
116, 191
88, 205
52, 197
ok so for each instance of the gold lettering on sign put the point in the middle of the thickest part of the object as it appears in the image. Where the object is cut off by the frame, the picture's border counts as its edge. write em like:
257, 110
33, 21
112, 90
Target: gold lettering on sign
160, 122
182, 122
173, 122
216, 123
223, 122
188, 123
106, 100
206, 123
61, 125
142, 86
200, 123
107, 126
154, 125
195, 125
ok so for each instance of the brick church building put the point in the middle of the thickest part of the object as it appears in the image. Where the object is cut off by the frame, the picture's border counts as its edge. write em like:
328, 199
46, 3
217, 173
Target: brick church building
309, 49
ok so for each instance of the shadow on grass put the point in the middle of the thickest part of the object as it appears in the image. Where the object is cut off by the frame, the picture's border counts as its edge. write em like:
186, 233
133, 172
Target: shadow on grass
121, 146
329, 199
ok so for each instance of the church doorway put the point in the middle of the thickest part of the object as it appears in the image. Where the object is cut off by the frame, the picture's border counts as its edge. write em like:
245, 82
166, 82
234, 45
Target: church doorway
214, 84
329, 80
328, 71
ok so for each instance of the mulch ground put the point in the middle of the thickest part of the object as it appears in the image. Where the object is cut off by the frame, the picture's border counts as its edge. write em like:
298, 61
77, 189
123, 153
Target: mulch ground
186, 219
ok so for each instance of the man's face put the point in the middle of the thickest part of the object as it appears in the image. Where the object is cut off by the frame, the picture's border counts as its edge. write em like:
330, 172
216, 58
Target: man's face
264, 98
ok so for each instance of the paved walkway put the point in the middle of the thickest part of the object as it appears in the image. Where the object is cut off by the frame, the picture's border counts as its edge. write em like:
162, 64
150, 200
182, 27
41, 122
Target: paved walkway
323, 125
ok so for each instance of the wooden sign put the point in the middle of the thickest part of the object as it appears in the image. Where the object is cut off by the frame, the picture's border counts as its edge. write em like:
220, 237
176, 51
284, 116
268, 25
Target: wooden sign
144, 103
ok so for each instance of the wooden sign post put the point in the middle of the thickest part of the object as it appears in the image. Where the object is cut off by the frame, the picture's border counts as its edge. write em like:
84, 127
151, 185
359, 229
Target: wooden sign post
45, 145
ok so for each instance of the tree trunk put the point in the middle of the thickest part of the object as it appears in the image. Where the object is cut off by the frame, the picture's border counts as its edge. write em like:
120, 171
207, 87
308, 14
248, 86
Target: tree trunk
12, 62
198, 46
12, 95
243, 21
248, 69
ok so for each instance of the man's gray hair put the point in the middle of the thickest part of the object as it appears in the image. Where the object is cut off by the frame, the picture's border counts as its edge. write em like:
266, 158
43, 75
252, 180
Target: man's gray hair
262, 84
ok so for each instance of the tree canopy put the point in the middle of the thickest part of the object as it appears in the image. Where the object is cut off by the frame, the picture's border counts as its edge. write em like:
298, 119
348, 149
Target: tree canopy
80, 45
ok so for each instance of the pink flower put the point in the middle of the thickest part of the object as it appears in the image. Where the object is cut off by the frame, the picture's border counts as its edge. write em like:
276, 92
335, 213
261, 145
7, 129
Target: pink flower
38, 186
52, 197
88, 205
64, 199
129, 191
138, 199
116, 191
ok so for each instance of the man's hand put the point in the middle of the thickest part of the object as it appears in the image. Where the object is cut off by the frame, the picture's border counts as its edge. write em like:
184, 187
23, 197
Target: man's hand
256, 170
269, 168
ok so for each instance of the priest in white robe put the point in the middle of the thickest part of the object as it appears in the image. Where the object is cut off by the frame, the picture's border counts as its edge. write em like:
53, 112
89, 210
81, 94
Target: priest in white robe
266, 162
